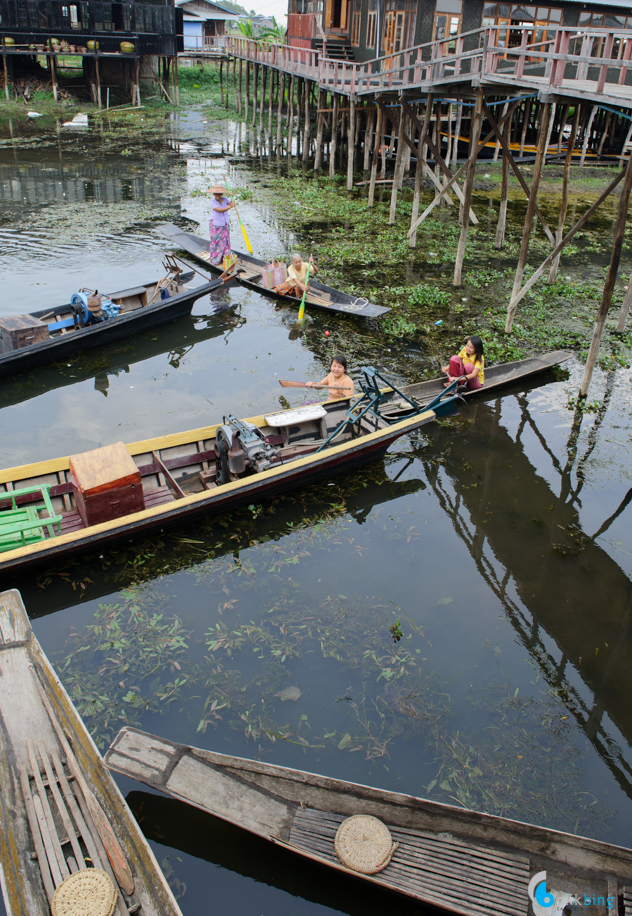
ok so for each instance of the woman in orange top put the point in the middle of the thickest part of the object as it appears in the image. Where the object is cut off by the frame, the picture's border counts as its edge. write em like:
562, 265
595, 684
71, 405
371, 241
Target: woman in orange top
469, 363
338, 377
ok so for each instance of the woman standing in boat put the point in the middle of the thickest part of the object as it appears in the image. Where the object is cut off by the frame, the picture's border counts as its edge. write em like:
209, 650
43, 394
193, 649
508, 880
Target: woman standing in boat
219, 225
470, 363
338, 377
296, 282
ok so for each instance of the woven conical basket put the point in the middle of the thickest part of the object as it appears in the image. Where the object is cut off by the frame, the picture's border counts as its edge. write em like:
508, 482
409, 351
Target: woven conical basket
364, 844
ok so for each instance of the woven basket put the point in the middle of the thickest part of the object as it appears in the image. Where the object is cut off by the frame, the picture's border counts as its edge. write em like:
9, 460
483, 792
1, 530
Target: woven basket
364, 844
89, 892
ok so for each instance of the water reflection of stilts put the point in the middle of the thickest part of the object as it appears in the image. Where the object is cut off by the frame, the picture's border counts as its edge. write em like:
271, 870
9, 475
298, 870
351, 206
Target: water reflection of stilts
568, 600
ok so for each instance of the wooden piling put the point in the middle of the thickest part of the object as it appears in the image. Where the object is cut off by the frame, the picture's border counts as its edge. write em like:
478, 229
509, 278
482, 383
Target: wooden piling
290, 118
221, 81
611, 277
528, 223
525, 124
587, 134
255, 81
247, 91
368, 138
6, 78
457, 133
300, 84
280, 103
274, 76
559, 235
320, 124
504, 193
399, 164
264, 85
241, 87
351, 144
334, 137
235, 103
306, 129
625, 309
53, 77
421, 157
379, 139
475, 132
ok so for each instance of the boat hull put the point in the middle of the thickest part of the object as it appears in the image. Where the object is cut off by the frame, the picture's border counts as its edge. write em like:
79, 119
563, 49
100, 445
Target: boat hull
103, 332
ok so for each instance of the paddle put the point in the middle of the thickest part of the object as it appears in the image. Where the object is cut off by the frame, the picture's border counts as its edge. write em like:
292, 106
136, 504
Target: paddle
243, 228
285, 384
301, 311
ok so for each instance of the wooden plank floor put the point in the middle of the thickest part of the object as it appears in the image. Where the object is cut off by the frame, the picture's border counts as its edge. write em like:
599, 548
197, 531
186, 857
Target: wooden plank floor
441, 869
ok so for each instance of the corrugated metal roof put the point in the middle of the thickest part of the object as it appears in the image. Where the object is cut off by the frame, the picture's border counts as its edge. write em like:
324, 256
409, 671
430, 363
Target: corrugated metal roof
210, 3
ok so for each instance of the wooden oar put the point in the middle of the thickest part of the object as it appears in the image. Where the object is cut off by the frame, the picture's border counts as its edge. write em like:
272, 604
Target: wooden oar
112, 846
286, 384
301, 311
243, 228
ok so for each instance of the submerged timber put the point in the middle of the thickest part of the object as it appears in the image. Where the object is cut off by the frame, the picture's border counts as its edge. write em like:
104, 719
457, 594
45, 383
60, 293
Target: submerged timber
248, 272
461, 861
30, 340
64, 814
119, 491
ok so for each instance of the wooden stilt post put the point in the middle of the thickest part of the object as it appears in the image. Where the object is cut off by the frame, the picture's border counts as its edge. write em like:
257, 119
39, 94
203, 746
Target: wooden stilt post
241, 87
320, 123
604, 134
281, 100
334, 137
264, 85
97, 75
221, 81
255, 80
549, 131
611, 276
421, 156
53, 76
559, 235
625, 309
399, 164
6, 78
504, 193
368, 138
235, 102
563, 120
247, 91
177, 84
475, 132
448, 154
273, 74
587, 134
306, 130
300, 84
525, 124
137, 80
457, 132
528, 223
386, 125
379, 139
290, 118
497, 150
351, 143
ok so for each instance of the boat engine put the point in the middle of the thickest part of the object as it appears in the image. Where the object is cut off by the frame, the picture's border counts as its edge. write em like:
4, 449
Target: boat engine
241, 448
92, 306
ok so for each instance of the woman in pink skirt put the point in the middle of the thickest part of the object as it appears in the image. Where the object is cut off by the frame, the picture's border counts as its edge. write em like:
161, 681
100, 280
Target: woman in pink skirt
469, 363
219, 225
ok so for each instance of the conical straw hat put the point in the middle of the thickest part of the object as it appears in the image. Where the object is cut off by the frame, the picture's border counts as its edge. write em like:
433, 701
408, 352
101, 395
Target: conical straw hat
218, 189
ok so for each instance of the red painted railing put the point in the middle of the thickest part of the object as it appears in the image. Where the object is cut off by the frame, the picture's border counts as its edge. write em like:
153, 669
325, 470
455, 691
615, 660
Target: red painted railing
582, 59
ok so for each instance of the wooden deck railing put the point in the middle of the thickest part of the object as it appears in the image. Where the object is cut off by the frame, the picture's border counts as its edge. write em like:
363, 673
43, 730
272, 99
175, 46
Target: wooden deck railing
572, 58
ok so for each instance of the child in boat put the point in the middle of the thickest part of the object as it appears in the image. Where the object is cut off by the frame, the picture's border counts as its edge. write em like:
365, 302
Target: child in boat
337, 376
297, 277
470, 363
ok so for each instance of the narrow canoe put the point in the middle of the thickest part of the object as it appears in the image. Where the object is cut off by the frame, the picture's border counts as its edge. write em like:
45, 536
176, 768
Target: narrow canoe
179, 477
179, 472
41, 817
249, 269
141, 308
459, 860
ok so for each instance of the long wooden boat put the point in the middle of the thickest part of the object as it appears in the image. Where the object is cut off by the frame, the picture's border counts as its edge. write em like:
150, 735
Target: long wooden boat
61, 812
459, 860
248, 271
104, 495
61, 331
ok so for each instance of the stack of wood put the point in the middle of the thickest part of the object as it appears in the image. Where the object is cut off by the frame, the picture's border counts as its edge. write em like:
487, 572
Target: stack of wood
30, 78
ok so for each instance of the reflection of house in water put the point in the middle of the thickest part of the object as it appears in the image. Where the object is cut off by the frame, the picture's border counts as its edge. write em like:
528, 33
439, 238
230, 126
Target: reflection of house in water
569, 601
81, 182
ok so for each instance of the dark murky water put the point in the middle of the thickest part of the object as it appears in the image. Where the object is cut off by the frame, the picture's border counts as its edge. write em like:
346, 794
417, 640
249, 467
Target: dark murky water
493, 538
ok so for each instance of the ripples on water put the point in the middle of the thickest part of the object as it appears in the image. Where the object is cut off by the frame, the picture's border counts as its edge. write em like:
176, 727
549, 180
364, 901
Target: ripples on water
485, 537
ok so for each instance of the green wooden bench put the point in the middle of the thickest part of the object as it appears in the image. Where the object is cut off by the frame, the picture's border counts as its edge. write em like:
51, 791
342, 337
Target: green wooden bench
23, 525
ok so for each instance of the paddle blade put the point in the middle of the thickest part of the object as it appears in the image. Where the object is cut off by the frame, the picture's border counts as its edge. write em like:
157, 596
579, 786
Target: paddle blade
245, 235
285, 384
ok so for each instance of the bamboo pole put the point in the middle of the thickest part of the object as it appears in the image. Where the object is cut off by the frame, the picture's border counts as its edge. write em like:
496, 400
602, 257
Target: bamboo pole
351, 144
320, 123
504, 193
379, 139
399, 164
611, 277
306, 131
421, 158
528, 223
475, 132
334, 137
559, 235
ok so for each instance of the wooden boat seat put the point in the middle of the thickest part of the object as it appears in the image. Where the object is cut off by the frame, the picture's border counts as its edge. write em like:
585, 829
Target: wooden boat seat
72, 521
127, 293
439, 868
296, 415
